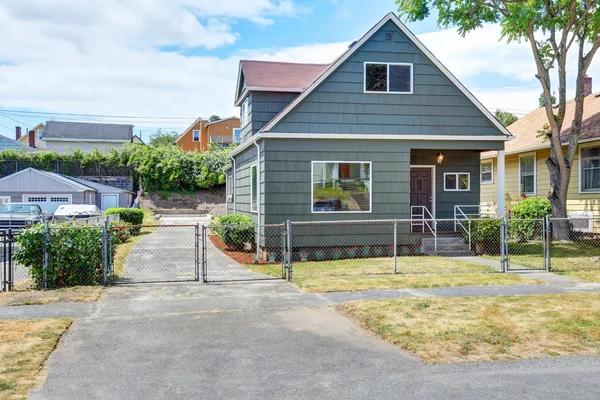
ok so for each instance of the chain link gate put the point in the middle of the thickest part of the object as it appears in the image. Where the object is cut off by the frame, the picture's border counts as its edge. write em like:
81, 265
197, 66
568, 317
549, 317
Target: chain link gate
243, 253
7, 239
525, 244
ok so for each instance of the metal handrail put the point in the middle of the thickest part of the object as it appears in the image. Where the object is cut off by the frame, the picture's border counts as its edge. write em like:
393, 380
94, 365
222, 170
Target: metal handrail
424, 222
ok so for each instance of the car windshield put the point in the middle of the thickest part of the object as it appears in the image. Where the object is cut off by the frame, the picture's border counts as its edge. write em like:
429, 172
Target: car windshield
18, 209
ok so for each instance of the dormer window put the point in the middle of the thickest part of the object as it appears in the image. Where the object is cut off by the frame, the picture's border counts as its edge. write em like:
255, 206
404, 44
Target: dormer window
388, 78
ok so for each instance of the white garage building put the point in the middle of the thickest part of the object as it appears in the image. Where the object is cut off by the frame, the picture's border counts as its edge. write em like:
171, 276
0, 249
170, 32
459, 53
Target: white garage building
51, 190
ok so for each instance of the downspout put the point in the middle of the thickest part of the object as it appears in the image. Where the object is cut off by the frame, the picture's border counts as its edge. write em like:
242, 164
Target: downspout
233, 185
258, 213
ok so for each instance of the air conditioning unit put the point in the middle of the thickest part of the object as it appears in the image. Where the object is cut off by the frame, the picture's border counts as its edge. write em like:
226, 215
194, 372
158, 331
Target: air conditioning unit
582, 221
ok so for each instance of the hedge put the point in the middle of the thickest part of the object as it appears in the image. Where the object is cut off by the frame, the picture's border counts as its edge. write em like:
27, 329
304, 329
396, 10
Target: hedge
75, 255
133, 216
235, 230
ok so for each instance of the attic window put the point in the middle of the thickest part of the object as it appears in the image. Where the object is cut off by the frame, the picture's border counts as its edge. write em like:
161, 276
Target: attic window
388, 78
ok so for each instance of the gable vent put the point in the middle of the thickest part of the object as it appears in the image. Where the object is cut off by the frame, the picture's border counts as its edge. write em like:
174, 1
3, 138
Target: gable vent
389, 36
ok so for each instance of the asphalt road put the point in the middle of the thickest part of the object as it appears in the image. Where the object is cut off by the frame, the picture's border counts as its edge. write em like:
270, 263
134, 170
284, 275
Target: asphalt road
269, 341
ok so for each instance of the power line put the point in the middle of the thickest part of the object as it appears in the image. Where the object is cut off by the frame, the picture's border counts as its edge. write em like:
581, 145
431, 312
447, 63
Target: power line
95, 115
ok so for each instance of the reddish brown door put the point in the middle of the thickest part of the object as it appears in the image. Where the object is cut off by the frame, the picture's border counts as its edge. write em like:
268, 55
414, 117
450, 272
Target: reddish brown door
420, 187
344, 171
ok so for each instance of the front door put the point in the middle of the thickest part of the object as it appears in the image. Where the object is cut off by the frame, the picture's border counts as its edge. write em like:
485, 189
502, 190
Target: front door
344, 171
420, 189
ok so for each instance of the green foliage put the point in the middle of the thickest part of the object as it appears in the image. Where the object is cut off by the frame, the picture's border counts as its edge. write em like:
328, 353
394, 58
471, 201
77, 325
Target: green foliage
235, 230
133, 216
160, 138
506, 118
532, 209
485, 234
121, 235
214, 118
76, 255
542, 99
156, 168
330, 193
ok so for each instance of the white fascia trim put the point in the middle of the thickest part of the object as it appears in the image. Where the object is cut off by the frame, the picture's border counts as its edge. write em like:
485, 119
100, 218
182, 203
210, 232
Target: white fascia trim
344, 136
541, 147
390, 17
52, 139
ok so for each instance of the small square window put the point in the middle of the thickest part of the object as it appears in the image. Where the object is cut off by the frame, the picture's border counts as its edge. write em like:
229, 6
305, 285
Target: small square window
196, 136
457, 182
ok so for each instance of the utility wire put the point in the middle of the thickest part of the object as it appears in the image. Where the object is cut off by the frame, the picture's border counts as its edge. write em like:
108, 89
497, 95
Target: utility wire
95, 115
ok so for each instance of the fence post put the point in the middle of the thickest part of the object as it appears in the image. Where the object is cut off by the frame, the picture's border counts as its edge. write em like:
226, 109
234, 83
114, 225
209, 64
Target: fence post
289, 250
503, 245
395, 247
548, 241
46, 255
105, 250
9, 269
204, 280
470, 240
197, 251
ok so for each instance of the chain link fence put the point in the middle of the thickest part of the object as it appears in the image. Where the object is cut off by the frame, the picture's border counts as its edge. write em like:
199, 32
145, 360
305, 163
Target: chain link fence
574, 245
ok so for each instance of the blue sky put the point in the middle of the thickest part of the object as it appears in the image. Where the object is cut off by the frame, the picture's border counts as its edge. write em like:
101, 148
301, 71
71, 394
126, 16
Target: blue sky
172, 61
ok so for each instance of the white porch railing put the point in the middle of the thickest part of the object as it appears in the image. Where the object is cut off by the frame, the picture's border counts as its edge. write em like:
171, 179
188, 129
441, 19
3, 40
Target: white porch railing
422, 217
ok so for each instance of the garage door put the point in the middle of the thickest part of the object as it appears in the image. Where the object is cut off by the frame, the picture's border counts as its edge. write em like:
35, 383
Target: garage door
110, 201
48, 202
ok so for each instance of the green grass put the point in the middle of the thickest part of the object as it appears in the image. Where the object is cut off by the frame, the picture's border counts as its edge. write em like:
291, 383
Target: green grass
459, 329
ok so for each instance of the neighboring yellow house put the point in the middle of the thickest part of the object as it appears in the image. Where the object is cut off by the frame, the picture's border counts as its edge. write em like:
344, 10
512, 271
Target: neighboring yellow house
39, 144
525, 159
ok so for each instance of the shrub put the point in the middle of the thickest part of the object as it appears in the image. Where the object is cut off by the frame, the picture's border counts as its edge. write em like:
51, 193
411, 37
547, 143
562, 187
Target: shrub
133, 216
485, 235
336, 254
303, 256
320, 255
365, 251
235, 229
530, 208
75, 255
121, 235
352, 251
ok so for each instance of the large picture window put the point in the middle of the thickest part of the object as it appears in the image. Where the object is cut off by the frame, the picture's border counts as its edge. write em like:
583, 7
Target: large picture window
457, 181
388, 78
527, 174
339, 186
487, 172
254, 188
590, 169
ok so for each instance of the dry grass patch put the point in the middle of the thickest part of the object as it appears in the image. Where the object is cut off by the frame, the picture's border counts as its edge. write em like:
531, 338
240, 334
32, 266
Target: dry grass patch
448, 330
77, 294
384, 282
24, 347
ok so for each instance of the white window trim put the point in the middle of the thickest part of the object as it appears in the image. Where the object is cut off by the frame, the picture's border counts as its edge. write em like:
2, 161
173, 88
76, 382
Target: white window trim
481, 181
3, 199
534, 193
412, 69
193, 135
254, 210
580, 186
456, 174
244, 114
312, 186
228, 187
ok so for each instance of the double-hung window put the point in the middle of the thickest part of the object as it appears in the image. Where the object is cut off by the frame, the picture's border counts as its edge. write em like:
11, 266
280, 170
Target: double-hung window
457, 181
590, 169
527, 174
229, 187
388, 78
196, 135
487, 172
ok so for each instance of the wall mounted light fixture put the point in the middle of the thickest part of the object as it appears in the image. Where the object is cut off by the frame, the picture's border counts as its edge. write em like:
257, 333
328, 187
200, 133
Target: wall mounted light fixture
440, 158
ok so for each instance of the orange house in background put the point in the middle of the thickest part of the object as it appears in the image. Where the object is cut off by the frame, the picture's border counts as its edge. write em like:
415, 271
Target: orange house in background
202, 133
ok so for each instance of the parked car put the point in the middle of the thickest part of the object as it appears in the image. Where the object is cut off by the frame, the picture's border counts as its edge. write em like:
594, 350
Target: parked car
70, 212
328, 205
21, 215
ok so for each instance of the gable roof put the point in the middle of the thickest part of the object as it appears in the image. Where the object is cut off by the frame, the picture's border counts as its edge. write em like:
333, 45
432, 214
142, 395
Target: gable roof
99, 187
65, 183
223, 120
189, 128
278, 76
391, 17
83, 131
8, 143
525, 130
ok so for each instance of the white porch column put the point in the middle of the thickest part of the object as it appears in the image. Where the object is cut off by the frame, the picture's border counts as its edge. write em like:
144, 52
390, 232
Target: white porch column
501, 185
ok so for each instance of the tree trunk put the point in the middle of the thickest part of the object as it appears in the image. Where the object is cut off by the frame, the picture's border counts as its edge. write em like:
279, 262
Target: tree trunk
558, 200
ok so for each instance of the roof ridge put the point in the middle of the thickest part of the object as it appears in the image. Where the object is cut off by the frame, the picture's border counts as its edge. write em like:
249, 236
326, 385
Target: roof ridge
285, 62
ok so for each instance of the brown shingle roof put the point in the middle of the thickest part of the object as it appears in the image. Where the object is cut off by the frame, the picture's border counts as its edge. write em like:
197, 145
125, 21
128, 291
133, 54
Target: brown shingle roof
526, 129
280, 75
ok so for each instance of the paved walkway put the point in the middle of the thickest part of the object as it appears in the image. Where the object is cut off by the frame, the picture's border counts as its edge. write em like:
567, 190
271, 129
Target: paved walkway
268, 340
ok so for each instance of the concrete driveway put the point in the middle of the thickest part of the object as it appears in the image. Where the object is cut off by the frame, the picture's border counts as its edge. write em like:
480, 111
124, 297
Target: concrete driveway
269, 341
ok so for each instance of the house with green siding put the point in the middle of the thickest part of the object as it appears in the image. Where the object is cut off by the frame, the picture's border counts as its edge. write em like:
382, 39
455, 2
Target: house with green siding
383, 132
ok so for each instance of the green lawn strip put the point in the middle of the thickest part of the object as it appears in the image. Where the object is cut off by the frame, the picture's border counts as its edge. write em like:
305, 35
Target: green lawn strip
455, 329
26, 296
386, 282
24, 348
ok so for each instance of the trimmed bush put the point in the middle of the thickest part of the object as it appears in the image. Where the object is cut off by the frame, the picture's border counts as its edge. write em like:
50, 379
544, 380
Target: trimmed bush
133, 216
75, 255
530, 208
122, 235
485, 235
235, 230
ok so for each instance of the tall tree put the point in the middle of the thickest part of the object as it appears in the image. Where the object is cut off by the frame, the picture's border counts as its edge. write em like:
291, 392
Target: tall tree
553, 28
214, 118
162, 138
506, 118
542, 99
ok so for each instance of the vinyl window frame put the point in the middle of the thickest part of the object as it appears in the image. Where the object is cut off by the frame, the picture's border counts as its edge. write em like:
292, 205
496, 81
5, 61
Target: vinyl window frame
194, 135
229, 187
581, 189
456, 175
245, 112
312, 186
526, 155
481, 181
412, 80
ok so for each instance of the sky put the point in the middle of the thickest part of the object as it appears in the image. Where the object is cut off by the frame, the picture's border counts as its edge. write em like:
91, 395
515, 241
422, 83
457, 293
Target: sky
164, 63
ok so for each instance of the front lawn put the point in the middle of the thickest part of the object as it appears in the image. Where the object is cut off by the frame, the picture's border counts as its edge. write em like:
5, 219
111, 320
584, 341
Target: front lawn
25, 345
386, 282
459, 329
25, 296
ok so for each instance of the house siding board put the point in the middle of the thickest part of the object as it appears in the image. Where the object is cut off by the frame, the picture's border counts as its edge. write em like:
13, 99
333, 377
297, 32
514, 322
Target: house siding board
354, 112
264, 106
243, 189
